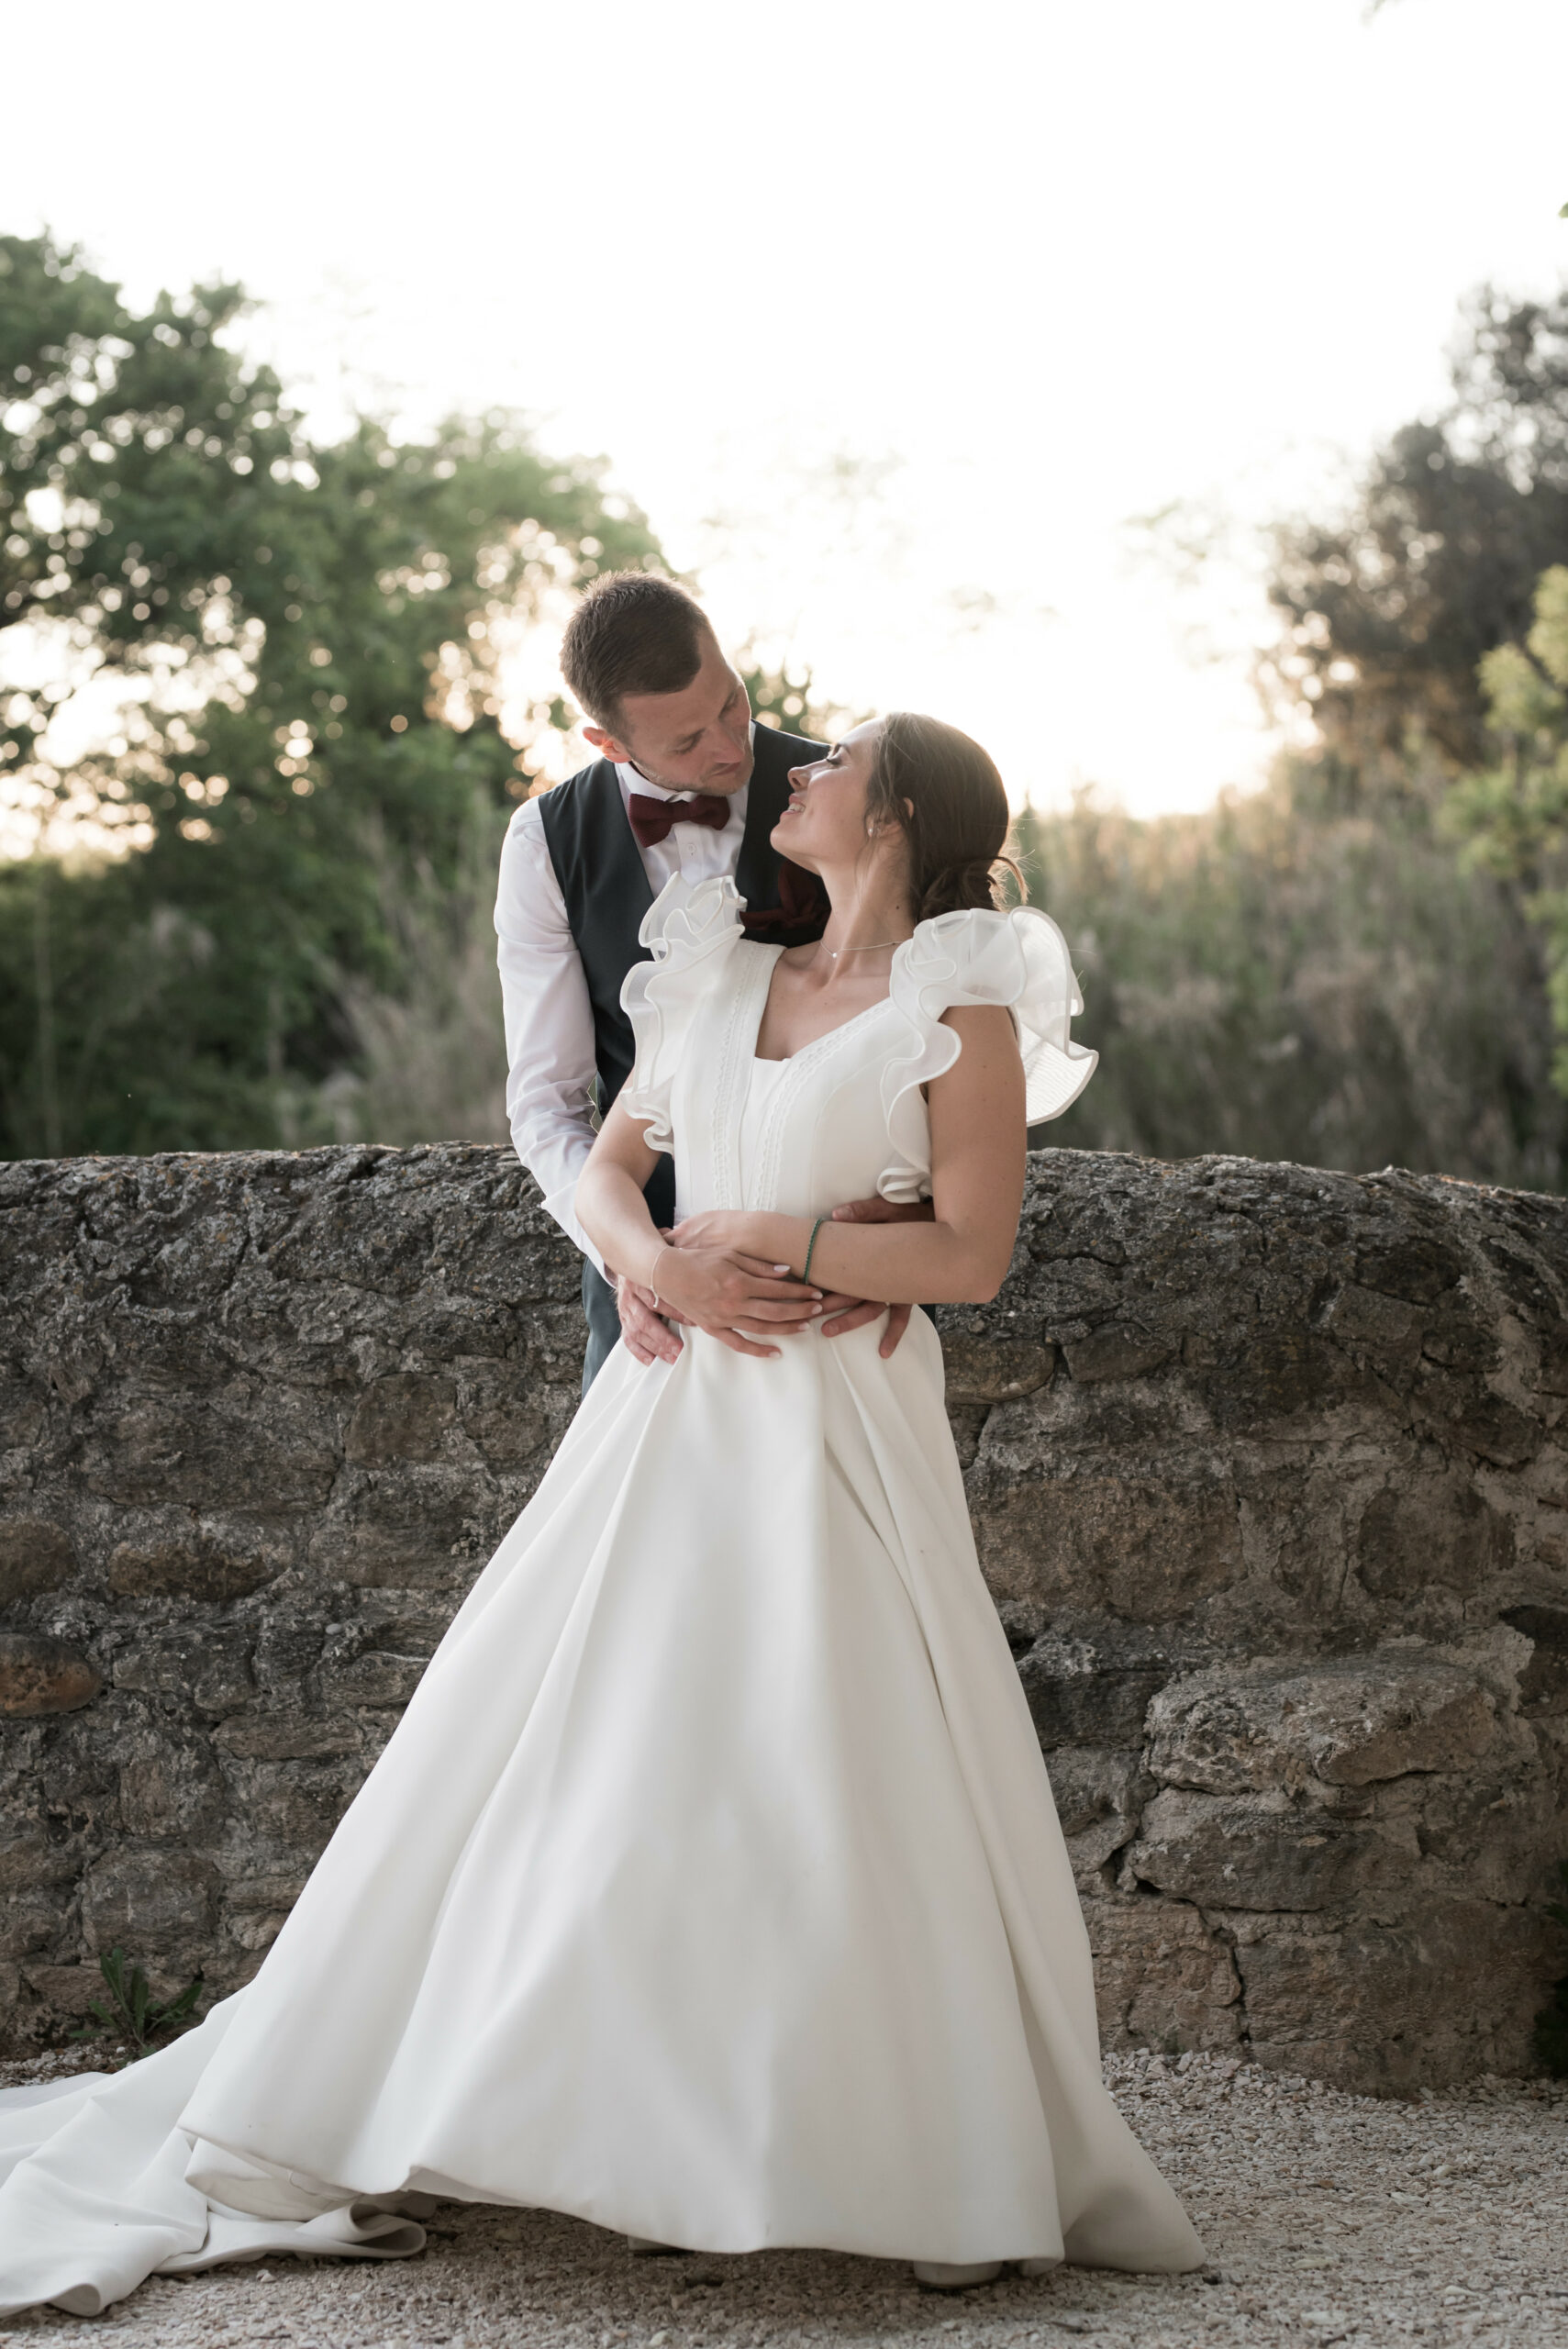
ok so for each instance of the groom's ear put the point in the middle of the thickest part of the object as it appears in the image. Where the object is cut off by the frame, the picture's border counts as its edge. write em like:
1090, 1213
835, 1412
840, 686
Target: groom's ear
608, 746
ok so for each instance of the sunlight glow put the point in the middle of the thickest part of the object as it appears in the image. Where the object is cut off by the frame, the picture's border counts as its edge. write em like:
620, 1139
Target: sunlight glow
892, 324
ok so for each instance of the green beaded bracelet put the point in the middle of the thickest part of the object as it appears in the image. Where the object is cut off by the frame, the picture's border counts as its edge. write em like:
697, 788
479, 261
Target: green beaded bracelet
810, 1247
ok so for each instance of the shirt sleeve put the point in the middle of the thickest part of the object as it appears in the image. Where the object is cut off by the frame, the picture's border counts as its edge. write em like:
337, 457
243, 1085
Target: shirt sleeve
549, 1024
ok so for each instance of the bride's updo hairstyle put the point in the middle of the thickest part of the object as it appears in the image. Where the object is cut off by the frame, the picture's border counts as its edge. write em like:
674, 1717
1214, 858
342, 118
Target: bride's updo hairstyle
946, 797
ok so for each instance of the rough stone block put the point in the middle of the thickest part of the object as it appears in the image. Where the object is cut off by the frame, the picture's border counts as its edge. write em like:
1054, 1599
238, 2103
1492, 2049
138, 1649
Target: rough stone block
1261, 1852
1272, 1379
1145, 1547
205, 1666
400, 1530
374, 1678
993, 1369
31, 1862
1412, 1265
1461, 1413
65, 1990
1543, 1684
1387, 2008
1425, 1529
35, 1555
1162, 1977
40, 1674
287, 1737
1098, 1798
185, 1569
1346, 1721
1091, 1784
251, 1447
500, 1412
169, 1786
291, 1808
401, 1418
1482, 1828
1091, 1692
154, 1903
1113, 1352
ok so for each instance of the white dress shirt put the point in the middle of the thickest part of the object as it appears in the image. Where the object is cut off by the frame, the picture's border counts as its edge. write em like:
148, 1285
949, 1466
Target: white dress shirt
544, 993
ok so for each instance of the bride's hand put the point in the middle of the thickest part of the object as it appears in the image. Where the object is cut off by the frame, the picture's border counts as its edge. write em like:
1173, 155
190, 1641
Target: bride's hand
730, 1229
718, 1228
729, 1294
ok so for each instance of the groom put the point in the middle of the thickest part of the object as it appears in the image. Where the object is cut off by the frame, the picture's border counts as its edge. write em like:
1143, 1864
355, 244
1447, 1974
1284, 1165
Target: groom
685, 783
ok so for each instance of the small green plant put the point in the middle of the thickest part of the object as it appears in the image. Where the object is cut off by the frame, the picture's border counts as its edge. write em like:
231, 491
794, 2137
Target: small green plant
132, 2014
1551, 2024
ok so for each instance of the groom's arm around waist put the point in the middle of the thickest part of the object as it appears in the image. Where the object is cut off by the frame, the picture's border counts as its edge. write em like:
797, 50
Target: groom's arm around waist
549, 1023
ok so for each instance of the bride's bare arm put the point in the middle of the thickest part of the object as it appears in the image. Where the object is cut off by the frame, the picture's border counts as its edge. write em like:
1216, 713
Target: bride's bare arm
713, 1286
977, 1187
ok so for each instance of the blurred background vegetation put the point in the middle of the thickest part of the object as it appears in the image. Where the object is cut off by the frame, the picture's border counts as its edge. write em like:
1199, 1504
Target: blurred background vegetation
260, 747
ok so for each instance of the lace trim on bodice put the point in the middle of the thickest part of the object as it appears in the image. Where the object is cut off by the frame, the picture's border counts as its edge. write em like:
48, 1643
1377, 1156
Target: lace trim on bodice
748, 994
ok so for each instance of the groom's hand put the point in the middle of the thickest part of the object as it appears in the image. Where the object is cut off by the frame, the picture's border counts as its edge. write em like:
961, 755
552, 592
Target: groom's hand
777, 1313
648, 1335
843, 1314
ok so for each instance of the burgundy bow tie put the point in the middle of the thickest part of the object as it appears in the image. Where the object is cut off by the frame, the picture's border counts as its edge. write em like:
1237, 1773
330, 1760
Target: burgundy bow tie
651, 818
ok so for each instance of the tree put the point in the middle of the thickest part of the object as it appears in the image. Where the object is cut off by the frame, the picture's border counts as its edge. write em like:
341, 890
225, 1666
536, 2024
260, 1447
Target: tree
1281, 979
304, 644
1387, 614
1513, 814
787, 697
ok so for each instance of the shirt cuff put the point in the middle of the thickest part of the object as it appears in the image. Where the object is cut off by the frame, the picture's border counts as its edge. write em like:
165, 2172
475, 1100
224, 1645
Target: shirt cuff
563, 1206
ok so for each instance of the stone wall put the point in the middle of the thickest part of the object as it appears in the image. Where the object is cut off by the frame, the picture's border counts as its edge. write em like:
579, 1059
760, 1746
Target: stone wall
1267, 1476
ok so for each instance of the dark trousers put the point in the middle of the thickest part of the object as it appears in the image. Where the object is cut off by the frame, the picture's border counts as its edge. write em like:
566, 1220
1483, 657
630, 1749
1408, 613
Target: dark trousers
598, 1294
604, 1321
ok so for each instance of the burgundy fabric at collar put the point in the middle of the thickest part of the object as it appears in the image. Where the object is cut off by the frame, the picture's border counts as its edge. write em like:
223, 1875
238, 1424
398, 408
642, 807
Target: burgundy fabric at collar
651, 819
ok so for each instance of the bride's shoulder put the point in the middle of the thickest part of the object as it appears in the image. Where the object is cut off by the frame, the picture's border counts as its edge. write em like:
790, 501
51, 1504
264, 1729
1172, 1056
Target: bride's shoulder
1018, 961
994, 955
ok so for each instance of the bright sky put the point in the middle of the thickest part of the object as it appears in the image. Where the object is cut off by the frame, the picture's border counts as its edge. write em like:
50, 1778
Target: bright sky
892, 317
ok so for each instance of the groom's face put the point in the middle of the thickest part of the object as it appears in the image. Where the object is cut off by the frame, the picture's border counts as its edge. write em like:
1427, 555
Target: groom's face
696, 739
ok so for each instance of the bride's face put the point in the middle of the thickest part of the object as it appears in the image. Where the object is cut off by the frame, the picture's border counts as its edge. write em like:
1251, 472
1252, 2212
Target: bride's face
824, 827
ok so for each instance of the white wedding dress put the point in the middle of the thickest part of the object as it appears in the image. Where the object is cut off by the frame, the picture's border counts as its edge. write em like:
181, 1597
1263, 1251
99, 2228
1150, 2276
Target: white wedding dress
710, 1887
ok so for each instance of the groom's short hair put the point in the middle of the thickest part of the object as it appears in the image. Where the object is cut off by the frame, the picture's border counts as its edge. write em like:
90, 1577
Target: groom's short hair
632, 633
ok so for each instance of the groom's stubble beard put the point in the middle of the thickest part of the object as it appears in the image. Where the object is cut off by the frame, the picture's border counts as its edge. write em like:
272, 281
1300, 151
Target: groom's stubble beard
726, 785
726, 788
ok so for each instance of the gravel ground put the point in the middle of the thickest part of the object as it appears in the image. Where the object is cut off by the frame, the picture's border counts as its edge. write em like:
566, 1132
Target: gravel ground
1328, 2218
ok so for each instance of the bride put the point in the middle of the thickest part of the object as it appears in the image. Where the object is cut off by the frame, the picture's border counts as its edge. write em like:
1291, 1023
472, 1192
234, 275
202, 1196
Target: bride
710, 1887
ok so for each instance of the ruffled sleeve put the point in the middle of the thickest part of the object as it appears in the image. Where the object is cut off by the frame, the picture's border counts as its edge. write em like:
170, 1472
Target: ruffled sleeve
1017, 959
691, 930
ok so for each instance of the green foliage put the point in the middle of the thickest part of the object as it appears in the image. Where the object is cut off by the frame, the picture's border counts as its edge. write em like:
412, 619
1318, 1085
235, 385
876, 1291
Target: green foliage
1388, 612
305, 639
789, 700
429, 1060
1513, 815
1280, 979
284, 931
1551, 2042
133, 2014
